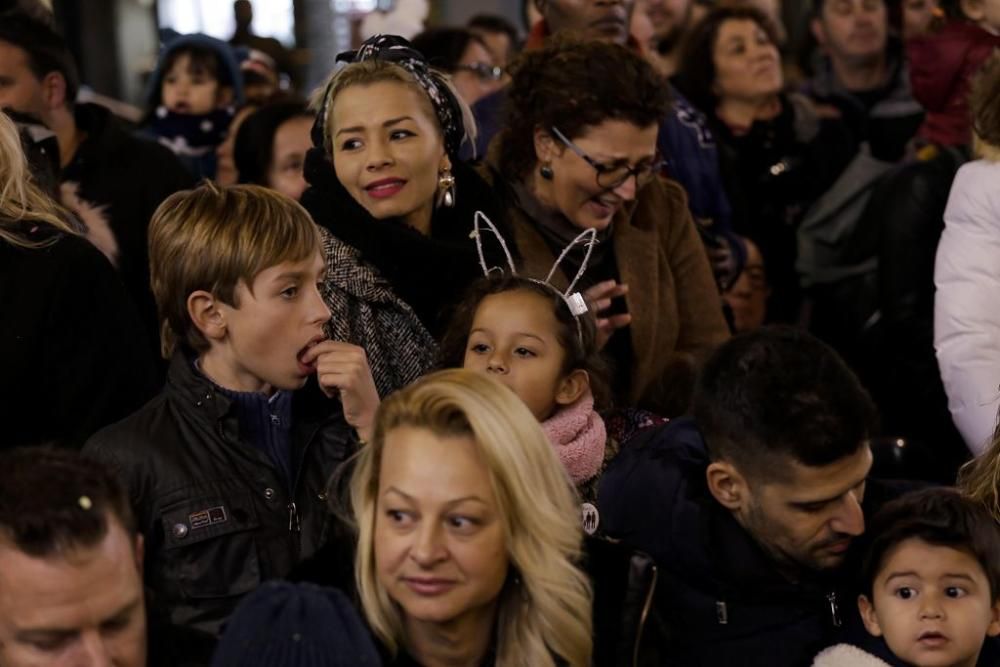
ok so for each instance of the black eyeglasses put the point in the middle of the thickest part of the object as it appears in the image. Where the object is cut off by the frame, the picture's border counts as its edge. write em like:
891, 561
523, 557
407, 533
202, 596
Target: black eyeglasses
483, 71
610, 176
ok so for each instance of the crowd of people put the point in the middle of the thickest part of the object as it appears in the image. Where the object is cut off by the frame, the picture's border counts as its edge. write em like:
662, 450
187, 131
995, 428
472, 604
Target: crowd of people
651, 338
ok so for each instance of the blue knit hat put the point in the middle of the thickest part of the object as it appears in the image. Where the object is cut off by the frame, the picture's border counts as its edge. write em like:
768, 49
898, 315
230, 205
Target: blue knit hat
296, 625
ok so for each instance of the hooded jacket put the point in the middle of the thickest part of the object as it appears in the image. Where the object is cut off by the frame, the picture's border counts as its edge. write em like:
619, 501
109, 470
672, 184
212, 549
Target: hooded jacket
942, 66
193, 138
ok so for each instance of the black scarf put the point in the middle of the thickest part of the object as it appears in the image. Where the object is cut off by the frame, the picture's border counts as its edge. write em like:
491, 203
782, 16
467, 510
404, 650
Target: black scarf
429, 273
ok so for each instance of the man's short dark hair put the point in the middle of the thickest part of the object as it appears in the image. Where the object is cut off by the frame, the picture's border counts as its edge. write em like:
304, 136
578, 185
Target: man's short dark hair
55, 500
493, 23
940, 517
46, 49
779, 392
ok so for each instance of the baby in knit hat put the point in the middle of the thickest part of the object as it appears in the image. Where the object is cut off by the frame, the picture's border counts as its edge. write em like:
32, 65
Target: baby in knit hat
522, 333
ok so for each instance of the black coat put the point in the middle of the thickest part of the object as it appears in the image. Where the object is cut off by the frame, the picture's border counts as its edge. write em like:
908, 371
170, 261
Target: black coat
129, 177
721, 597
773, 174
73, 354
217, 515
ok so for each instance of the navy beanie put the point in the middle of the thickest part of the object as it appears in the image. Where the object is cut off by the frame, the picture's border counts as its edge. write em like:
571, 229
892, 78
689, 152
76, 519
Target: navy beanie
296, 625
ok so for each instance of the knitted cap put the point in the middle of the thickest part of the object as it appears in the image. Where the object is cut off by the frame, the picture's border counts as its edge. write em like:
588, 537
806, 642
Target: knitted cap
296, 625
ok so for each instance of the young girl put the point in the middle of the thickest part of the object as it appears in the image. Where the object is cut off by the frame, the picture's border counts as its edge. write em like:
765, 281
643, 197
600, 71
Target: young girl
192, 98
522, 332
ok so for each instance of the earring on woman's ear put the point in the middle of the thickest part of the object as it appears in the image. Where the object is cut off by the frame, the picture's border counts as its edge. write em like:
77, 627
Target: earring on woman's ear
446, 184
546, 172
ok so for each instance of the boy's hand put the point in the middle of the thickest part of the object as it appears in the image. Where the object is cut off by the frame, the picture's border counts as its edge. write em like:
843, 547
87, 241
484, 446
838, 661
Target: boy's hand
599, 297
342, 368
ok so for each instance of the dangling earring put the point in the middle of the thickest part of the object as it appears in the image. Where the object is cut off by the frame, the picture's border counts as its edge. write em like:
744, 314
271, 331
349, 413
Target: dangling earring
546, 172
446, 184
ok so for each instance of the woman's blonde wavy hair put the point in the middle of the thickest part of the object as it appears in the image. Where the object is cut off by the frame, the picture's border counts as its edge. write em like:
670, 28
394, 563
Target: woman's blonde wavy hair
21, 200
979, 479
545, 607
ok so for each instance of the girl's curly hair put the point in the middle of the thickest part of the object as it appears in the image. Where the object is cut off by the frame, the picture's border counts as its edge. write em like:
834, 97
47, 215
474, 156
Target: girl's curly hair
573, 84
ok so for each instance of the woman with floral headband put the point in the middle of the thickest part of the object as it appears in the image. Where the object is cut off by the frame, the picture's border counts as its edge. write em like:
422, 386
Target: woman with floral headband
396, 205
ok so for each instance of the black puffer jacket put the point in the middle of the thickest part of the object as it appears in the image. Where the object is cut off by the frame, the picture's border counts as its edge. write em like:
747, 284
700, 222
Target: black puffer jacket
216, 514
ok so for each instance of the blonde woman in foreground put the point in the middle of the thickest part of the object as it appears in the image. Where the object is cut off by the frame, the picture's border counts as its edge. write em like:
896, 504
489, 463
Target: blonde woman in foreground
468, 532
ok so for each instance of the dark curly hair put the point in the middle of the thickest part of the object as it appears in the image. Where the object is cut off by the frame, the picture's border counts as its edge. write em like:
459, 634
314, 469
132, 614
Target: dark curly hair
573, 85
696, 70
581, 351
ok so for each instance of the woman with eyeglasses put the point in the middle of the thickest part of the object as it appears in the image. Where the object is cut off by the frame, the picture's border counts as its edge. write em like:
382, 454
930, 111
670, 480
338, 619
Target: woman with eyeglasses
466, 57
578, 151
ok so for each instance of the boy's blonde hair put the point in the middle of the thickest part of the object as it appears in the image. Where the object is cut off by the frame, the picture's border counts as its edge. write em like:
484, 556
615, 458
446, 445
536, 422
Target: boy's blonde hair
212, 238
544, 609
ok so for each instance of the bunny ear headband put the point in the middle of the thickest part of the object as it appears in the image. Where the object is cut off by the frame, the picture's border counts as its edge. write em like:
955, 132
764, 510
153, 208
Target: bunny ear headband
574, 300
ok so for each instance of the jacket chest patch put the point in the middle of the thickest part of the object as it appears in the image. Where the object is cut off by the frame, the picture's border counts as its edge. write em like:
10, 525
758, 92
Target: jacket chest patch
208, 517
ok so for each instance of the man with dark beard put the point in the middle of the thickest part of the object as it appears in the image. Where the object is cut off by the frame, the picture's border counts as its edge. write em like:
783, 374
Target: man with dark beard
751, 507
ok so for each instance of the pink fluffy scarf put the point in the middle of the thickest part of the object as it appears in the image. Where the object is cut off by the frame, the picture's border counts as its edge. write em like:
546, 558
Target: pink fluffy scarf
577, 432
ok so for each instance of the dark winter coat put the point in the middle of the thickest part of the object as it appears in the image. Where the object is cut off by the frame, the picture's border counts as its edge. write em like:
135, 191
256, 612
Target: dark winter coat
723, 600
127, 178
773, 173
886, 117
217, 515
73, 354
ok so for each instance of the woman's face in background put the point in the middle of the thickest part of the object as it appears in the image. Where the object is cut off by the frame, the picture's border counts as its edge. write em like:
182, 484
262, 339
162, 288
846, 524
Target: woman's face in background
471, 78
388, 150
225, 173
292, 141
747, 62
573, 190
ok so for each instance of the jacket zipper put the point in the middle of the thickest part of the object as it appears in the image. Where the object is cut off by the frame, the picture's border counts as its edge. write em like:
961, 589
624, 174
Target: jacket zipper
293, 519
834, 610
645, 613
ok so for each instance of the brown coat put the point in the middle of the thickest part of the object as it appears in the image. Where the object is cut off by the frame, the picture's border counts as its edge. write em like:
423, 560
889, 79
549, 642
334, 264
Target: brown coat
676, 309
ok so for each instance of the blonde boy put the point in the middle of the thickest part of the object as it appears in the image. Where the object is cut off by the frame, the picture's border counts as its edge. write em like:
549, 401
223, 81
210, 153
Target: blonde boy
227, 467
